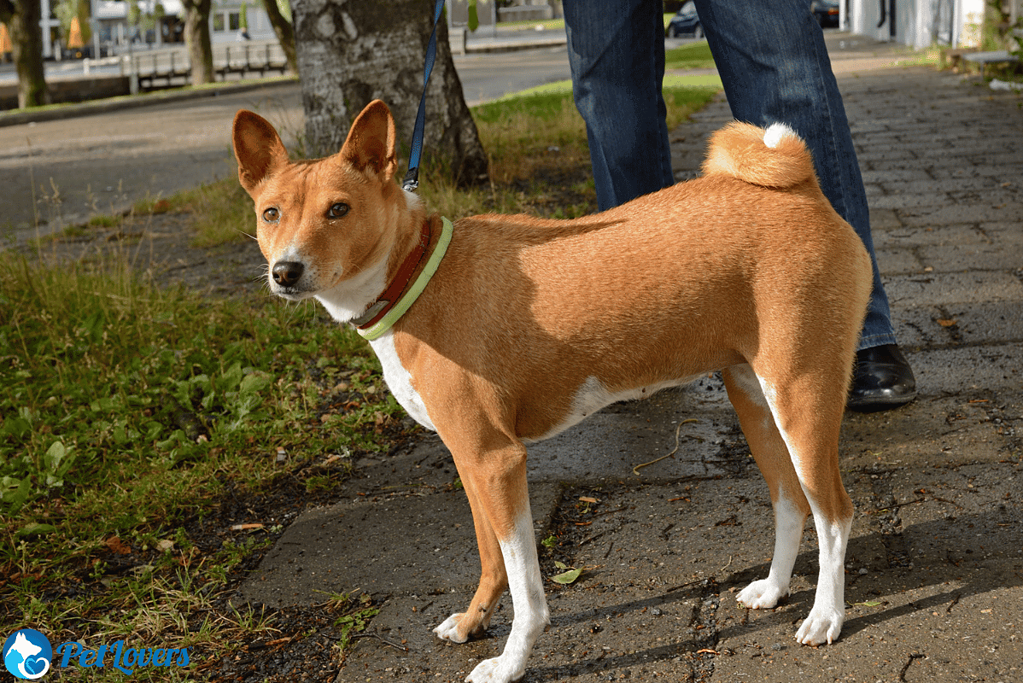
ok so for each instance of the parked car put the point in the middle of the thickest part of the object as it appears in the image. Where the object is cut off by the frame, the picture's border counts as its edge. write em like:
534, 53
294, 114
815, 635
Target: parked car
825, 12
685, 22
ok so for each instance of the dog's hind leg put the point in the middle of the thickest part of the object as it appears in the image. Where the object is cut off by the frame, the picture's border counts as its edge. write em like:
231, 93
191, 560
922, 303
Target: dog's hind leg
807, 411
772, 456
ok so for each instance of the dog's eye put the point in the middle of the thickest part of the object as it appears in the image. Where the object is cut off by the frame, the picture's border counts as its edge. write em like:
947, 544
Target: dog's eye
271, 215
337, 210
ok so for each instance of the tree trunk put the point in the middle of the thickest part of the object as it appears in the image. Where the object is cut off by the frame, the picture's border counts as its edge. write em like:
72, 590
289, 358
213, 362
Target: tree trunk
285, 33
350, 53
197, 36
22, 20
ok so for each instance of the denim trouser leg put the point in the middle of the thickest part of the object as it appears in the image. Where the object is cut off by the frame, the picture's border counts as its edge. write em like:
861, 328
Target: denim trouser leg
775, 68
616, 53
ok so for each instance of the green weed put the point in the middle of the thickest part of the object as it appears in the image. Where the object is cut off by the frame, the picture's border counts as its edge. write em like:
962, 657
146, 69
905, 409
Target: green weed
356, 617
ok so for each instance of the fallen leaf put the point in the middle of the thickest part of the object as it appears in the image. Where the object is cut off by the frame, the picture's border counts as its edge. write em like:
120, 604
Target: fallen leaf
34, 529
568, 577
279, 641
118, 546
946, 322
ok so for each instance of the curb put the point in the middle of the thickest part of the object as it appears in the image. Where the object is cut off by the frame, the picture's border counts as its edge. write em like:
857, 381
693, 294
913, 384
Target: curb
17, 118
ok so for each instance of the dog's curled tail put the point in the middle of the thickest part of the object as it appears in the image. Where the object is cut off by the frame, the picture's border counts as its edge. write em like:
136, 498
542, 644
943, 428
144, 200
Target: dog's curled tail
775, 157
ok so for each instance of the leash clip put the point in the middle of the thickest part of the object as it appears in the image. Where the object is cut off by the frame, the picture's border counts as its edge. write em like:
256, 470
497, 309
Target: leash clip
411, 181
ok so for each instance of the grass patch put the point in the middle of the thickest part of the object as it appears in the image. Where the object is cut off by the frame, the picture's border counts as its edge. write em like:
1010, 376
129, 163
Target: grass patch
539, 157
151, 439
689, 56
127, 409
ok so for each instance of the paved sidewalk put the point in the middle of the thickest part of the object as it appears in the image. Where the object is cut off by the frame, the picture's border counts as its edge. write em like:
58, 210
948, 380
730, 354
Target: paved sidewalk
935, 565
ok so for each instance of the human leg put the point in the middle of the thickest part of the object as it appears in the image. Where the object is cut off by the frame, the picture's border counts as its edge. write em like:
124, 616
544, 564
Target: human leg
616, 53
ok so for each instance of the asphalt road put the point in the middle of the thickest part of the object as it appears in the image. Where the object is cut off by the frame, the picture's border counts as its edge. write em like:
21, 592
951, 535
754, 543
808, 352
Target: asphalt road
56, 173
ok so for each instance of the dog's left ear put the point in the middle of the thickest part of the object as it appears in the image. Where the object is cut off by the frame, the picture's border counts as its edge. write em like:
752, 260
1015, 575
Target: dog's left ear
371, 144
258, 149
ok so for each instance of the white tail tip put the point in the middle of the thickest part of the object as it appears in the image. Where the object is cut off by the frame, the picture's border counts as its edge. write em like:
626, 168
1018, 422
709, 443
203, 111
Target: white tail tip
775, 132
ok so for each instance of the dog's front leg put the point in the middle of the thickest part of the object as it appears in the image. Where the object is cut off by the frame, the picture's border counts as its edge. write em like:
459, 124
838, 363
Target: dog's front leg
528, 602
494, 478
493, 578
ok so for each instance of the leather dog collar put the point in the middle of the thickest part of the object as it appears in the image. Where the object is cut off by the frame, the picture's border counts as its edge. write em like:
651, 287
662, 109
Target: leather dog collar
401, 293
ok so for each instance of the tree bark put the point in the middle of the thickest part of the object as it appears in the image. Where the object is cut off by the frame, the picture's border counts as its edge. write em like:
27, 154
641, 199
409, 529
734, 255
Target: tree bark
197, 37
22, 20
352, 52
285, 33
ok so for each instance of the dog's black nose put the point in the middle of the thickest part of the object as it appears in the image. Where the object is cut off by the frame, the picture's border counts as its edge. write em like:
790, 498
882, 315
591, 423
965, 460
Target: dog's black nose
287, 273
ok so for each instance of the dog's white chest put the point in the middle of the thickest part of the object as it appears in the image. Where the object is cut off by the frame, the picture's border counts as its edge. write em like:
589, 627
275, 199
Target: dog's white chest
399, 381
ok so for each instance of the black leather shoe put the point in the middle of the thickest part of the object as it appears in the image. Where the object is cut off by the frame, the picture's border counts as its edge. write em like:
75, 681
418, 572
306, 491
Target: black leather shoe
882, 380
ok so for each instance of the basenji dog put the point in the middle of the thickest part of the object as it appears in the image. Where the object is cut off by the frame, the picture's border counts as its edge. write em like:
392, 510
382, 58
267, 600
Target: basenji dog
497, 331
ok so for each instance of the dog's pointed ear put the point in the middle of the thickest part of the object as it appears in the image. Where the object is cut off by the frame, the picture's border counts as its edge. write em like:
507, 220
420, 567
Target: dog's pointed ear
258, 149
371, 144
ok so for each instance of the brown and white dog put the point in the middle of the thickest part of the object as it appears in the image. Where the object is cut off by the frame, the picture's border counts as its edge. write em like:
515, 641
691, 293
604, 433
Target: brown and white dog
508, 329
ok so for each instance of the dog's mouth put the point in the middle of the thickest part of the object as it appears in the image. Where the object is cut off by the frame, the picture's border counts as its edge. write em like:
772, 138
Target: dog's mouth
290, 293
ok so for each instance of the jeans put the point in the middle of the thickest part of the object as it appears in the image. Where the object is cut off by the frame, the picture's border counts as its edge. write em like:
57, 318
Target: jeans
775, 69
617, 69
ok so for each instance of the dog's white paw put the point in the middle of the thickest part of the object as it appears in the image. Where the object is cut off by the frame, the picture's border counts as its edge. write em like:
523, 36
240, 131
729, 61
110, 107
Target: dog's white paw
822, 626
449, 629
763, 594
496, 670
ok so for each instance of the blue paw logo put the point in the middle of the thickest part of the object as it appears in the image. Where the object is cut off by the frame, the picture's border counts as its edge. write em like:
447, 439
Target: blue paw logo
27, 654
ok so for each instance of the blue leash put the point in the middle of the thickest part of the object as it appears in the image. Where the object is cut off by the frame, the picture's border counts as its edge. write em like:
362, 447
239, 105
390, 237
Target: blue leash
411, 181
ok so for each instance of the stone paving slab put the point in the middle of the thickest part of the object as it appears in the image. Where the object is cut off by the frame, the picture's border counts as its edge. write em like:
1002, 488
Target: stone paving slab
937, 432
382, 545
937, 288
950, 612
